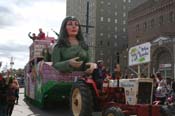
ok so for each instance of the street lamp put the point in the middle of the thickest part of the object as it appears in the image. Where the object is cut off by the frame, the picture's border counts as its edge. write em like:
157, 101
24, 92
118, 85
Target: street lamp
11, 63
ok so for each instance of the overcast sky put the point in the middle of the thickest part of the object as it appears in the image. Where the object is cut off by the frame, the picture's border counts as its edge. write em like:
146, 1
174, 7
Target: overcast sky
18, 17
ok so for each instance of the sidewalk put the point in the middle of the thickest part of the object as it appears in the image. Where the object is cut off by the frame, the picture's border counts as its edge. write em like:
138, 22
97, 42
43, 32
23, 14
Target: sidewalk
22, 109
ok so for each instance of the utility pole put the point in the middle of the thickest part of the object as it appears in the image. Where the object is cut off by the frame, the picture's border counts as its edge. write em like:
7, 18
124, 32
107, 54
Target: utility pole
11, 63
87, 26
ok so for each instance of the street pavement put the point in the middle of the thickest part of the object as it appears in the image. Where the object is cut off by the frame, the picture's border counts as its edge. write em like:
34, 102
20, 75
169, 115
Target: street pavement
26, 109
22, 109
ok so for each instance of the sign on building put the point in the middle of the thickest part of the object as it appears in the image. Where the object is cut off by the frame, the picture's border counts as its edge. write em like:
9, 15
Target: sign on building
37, 47
139, 54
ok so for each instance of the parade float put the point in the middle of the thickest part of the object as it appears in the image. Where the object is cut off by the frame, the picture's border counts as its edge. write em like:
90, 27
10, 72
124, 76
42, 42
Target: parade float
43, 83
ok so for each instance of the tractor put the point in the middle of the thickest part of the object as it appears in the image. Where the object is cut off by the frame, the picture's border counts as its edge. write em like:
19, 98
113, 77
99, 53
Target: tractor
120, 97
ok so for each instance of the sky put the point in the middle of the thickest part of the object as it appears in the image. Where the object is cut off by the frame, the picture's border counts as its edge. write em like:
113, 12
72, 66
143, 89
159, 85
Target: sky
18, 18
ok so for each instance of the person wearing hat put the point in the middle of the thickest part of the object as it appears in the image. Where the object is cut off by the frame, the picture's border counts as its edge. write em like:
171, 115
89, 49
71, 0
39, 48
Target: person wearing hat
99, 74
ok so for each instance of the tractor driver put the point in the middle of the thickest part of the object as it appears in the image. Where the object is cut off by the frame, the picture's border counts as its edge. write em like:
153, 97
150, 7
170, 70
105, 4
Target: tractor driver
99, 74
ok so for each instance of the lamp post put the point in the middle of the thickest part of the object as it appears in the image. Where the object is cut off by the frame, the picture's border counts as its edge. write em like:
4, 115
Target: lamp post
11, 64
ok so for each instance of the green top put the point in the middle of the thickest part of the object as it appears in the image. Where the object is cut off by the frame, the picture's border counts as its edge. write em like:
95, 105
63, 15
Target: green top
61, 57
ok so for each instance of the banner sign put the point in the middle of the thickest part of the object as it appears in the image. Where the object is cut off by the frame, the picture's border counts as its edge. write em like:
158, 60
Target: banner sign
139, 54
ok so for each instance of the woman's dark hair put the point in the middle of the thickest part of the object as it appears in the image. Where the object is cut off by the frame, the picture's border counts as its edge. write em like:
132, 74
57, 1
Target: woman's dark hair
63, 38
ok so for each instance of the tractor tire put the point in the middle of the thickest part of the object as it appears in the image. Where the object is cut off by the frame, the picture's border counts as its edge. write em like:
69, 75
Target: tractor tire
113, 111
81, 99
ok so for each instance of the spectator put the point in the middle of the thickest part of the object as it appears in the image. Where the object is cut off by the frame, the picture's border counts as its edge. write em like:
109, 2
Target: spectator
161, 90
33, 37
117, 72
169, 84
107, 75
3, 96
11, 94
15, 81
41, 34
172, 93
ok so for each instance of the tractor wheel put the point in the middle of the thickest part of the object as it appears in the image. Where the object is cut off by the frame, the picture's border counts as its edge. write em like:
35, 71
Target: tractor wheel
113, 111
81, 100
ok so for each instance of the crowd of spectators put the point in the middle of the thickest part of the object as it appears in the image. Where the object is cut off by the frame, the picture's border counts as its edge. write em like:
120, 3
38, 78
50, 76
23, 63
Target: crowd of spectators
9, 94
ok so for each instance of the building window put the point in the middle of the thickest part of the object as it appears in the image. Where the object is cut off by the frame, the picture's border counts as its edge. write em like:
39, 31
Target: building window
124, 29
101, 34
109, 20
101, 43
115, 36
124, 22
115, 29
101, 53
137, 28
145, 25
109, 28
115, 13
124, 7
108, 43
171, 17
109, 3
115, 6
124, 0
102, 2
129, 1
124, 36
124, 14
116, 20
115, 44
109, 36
160, 20
101, 19
101, 10
152, 23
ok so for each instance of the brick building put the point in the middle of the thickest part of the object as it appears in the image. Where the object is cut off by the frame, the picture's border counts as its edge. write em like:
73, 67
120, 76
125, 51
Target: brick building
154, 21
